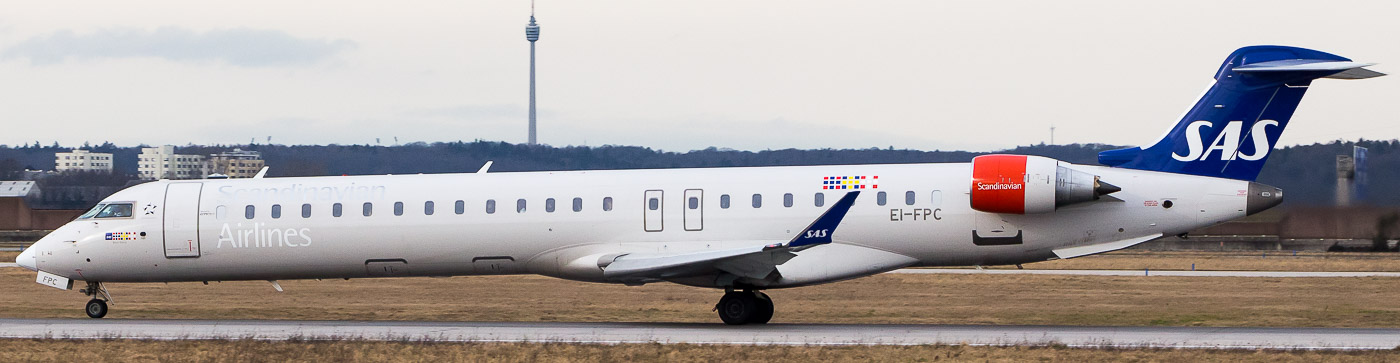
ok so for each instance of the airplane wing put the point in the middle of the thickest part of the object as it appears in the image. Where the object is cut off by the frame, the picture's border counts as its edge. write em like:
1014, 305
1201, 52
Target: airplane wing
758, 260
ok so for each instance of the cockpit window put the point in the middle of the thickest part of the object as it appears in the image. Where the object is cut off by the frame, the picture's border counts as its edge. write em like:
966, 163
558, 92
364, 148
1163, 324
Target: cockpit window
115, 210
93, 211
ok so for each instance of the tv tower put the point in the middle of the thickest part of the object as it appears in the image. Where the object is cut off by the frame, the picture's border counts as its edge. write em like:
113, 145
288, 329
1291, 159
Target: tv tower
532, 33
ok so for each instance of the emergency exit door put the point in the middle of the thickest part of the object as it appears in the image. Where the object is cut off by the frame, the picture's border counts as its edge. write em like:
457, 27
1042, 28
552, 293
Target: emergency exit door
181, 219
652, 208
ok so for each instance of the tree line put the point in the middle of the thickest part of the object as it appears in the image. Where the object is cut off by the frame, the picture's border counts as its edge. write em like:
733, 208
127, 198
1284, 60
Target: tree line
1306, 172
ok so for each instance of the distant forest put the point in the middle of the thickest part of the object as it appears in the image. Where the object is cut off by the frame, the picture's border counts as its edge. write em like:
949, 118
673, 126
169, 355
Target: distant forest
1306, 172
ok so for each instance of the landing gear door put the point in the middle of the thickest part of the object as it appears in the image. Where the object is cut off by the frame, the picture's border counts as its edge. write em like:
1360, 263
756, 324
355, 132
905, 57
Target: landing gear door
181, 219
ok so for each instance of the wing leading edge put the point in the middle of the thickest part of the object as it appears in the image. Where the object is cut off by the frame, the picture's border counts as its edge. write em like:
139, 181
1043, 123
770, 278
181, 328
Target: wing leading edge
756, 261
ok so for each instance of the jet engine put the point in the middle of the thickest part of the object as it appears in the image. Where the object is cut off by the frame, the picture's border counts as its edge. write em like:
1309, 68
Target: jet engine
1020, 184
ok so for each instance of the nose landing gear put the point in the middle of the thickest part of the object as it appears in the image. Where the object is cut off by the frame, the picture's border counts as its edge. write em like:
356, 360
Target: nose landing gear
746, 307
97, 307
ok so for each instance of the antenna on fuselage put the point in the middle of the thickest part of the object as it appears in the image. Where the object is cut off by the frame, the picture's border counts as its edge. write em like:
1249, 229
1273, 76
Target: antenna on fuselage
484, 167
261, 173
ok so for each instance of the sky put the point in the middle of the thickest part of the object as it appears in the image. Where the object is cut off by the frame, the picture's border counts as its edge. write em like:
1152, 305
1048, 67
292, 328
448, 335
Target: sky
676, 76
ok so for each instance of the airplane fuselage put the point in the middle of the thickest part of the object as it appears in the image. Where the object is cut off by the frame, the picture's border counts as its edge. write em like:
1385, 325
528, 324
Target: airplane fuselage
556, 223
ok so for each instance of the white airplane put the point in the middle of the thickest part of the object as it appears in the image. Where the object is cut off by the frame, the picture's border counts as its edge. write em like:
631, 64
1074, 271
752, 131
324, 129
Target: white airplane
743, 230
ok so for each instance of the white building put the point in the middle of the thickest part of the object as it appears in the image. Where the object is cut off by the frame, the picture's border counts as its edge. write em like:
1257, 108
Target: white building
163, 163
83, 160
235, 164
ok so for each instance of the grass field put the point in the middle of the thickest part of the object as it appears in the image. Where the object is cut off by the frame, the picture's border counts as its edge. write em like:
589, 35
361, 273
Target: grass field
13, 350
888, 298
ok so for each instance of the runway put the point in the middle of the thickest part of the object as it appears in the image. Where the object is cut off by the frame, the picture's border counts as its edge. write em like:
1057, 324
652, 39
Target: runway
1178, 273
694, 333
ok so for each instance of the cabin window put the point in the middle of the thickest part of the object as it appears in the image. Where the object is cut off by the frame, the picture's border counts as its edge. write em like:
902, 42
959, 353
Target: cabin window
398, 208
936, 198
880, 198
724, 201
607, 204
248, 212
819, 199
787, 200
490, 206
578, 204
757, 200
428, 208
306, 211
460, 207
276, 211
368, 209
549, 205
115, 210
335, 210
654, 203
520, 205
693, 203
220, 212
909, 197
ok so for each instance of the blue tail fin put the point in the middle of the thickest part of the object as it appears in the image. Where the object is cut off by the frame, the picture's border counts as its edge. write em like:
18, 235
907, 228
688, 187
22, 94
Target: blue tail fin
1232, 128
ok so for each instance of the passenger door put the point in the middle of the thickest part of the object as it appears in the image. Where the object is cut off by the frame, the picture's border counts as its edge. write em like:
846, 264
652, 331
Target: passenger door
653, 205
694, 209
181, 219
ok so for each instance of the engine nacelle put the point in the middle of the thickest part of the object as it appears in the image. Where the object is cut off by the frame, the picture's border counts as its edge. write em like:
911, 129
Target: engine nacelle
1020, 184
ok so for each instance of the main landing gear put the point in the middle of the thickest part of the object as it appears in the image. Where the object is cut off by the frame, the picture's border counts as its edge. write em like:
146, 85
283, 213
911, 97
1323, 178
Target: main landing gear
745, 307
97, 307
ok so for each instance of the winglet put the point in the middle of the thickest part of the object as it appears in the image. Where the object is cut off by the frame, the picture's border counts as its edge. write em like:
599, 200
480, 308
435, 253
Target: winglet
261, 173
484, 168
820, 231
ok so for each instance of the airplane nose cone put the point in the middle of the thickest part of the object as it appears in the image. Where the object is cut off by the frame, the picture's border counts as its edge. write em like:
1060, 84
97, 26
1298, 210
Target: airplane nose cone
26, 259
1262, 197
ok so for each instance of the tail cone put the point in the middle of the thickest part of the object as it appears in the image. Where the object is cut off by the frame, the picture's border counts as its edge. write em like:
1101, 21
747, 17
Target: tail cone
1103, 188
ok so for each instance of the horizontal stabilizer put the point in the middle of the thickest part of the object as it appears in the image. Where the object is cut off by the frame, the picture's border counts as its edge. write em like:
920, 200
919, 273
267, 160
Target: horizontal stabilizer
1356, 73
1347, 70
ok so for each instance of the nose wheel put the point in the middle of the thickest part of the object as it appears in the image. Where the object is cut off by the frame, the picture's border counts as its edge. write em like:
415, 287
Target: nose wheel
745, 307
97, 307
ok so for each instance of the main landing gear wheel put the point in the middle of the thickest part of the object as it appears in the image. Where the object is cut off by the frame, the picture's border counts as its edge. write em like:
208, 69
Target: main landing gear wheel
765, 309
96, 308
748, 307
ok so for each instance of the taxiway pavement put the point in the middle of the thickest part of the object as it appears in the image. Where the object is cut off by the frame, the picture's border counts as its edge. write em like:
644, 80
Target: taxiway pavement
694, 333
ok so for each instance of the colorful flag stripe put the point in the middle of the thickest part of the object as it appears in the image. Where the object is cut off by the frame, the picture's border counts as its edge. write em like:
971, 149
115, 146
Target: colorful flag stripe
850, 182
121, 236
